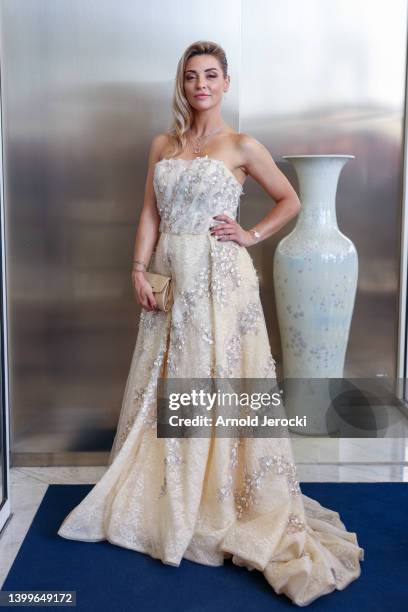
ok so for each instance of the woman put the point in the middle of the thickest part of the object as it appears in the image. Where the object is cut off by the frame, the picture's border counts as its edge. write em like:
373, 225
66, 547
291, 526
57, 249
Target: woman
206, 499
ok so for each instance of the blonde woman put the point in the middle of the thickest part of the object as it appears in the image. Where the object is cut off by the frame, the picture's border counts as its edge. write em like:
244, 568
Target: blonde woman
207, 499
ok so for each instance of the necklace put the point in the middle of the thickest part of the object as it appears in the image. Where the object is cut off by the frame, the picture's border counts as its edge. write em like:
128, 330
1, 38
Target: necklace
198, 141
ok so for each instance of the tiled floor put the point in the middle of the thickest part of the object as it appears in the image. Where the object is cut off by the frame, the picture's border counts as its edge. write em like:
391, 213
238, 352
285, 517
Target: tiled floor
318, 460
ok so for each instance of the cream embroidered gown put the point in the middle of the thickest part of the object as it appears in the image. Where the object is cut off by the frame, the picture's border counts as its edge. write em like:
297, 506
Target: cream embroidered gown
206, 499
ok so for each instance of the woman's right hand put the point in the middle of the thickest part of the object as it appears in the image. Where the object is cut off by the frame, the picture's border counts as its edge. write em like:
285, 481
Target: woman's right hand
143, 291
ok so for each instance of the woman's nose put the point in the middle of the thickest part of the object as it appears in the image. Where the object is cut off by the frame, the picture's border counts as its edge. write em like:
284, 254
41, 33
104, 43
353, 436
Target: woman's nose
201, 82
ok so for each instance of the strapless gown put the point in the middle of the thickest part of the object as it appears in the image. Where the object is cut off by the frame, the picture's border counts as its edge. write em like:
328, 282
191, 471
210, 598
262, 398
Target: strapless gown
207, 499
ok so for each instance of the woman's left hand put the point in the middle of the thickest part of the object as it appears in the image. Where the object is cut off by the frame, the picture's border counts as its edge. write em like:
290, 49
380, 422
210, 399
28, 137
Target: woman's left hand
231, 230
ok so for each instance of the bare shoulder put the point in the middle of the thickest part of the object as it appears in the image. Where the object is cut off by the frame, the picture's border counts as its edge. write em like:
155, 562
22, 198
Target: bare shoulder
251, 149
160, 143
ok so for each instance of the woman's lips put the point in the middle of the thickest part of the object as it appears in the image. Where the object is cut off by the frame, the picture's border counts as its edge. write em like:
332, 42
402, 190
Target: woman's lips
202, 96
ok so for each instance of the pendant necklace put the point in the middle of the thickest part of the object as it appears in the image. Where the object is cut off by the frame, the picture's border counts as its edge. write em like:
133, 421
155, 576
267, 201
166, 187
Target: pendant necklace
198, 141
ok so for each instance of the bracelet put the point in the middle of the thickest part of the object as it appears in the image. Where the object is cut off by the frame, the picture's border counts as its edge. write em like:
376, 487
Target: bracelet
135, 261
256, 234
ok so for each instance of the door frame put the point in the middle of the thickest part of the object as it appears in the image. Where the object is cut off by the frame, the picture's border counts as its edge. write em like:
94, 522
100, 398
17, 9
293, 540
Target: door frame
5, 503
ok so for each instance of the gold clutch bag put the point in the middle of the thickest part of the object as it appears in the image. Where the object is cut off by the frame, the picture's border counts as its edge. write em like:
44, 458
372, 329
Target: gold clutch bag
162, 289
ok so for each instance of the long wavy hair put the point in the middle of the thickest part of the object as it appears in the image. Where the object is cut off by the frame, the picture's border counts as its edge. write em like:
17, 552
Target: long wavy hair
182, 111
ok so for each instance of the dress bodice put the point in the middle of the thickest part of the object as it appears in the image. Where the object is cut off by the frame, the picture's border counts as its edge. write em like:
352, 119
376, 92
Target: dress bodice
189, 192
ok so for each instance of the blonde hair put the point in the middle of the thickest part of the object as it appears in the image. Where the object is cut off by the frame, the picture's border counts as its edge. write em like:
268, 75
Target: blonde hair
181, 109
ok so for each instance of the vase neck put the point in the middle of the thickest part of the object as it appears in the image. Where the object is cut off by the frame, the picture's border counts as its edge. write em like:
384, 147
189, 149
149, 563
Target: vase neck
318, 178
318, 211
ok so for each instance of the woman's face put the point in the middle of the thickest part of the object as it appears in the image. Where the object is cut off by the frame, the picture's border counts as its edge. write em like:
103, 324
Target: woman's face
204, 82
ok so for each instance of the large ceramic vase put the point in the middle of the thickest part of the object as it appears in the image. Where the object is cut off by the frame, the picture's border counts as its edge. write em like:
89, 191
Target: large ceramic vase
315, 281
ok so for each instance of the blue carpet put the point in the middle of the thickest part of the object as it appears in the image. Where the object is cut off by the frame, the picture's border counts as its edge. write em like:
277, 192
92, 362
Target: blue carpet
106, 576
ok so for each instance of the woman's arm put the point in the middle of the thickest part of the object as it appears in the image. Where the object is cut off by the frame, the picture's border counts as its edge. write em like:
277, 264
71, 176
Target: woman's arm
147, 232
256, 160
259, 163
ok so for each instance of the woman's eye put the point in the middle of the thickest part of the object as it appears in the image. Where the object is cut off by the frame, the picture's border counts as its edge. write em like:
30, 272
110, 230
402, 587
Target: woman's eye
212, 76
